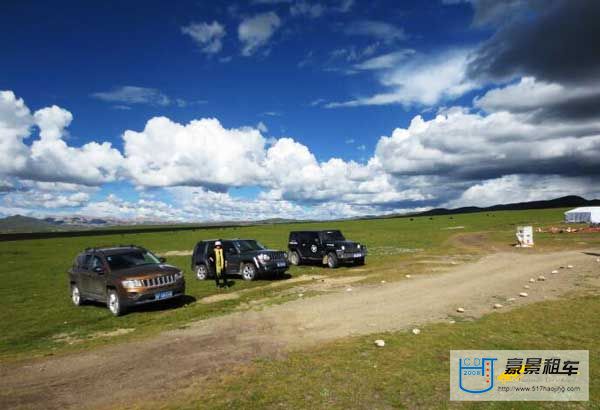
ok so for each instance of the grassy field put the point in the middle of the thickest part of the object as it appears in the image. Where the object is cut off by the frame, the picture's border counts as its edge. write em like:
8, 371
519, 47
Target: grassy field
411, 371
38, 319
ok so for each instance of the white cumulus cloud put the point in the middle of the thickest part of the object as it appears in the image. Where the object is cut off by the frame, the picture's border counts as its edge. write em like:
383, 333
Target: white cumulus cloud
202, 152
49, 158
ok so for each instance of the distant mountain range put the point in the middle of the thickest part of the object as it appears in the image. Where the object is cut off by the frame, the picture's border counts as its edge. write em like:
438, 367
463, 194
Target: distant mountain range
19, 223
570, 201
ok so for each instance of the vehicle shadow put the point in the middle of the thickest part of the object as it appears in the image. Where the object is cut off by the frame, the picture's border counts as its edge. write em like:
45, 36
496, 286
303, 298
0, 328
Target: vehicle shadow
275, 277
592, 253
151, 307
164, 304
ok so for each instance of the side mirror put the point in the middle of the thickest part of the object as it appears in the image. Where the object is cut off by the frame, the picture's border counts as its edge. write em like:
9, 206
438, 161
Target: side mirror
162, 259
99, 270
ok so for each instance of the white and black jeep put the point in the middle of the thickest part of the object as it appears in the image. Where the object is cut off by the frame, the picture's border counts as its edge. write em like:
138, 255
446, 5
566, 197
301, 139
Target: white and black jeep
326, 247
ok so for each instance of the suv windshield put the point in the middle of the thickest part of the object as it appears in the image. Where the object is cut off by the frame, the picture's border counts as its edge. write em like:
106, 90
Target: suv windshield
329, 236
249, 245
130, 259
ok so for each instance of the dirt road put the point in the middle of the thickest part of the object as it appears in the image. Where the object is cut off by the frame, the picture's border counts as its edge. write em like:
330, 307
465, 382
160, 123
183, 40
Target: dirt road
153, 368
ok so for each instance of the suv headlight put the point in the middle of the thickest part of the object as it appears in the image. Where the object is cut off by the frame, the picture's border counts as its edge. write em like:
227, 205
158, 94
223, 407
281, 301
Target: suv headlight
343, 247
132, 283
263, 257
178, 275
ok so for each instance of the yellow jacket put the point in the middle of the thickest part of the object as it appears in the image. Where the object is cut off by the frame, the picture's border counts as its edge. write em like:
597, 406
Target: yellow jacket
219, 261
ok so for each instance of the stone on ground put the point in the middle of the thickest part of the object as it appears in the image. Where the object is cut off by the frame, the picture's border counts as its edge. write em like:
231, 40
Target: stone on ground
460, 310
497, 306
523, 294
379, 343
416, 331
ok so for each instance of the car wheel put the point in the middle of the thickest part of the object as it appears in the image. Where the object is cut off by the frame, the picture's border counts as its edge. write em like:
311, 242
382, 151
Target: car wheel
332, 260
114, 303
294, 258
248, 271
360, 261
76, 297
201, 272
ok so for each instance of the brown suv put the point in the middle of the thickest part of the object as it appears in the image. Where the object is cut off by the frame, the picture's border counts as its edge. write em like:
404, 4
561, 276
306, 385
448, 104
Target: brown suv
122, 277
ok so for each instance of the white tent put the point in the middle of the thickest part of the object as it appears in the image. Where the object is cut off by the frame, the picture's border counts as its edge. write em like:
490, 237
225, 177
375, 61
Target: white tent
587, 214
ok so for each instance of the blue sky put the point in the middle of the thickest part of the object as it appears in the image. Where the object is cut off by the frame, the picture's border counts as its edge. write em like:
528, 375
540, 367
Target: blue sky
301, 109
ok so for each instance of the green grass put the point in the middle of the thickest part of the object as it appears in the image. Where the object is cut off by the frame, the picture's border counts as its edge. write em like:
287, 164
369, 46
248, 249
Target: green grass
35, 305
410, 371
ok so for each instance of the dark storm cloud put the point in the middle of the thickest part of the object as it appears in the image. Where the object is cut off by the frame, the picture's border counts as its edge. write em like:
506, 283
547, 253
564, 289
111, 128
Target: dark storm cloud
577, 109
557, 43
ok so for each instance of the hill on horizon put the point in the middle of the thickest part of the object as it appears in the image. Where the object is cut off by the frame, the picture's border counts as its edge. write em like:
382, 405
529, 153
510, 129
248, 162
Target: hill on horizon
562, 202
20, 223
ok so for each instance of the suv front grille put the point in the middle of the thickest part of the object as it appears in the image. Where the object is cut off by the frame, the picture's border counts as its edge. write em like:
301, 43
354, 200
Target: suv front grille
158, 281
277, 255
353, 248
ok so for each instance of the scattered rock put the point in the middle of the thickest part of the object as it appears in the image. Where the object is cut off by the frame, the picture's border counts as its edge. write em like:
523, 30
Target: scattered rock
497, 306
523, 294
511, 299
570, 266
379, 343
452, 322
531, 280
526, 287
460, 310
383, 281
300, 295
348, 289
598, 260
541, 278
416, 331
407, 276
554, 271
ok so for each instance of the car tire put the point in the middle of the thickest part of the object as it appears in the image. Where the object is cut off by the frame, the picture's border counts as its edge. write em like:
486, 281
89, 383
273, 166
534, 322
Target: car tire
248, 271
332, 260
76, 297
201, 272
360, 261
113, 301
294, 258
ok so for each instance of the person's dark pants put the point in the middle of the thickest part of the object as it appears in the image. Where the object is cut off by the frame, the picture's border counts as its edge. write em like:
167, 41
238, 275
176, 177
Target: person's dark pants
221, 278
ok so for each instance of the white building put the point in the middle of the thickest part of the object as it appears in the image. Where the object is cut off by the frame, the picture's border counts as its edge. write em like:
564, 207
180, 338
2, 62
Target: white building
586, 214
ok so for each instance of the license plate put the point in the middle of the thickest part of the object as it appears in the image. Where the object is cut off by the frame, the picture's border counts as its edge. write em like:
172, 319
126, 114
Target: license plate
357, 255
281, 264
163, 295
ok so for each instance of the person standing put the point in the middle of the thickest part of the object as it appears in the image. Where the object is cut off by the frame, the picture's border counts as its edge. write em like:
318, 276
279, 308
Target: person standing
218, 260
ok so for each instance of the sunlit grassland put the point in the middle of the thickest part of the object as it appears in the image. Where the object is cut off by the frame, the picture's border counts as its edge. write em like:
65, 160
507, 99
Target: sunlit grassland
411, 371
35, 310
